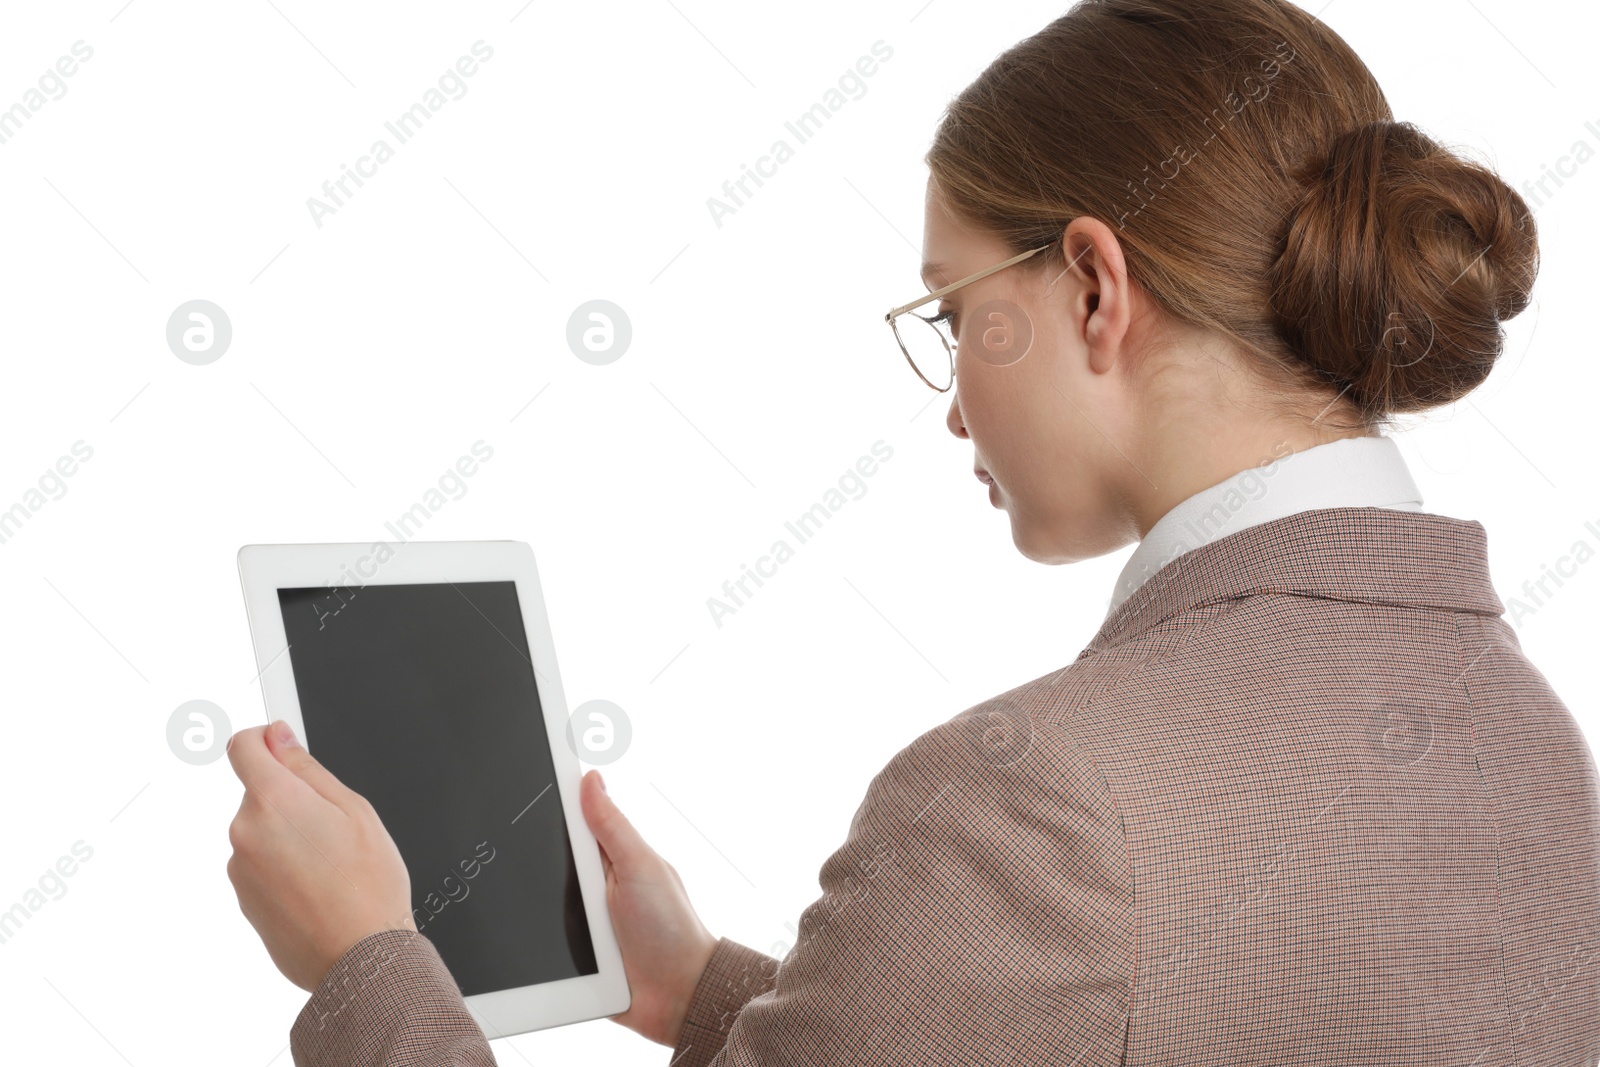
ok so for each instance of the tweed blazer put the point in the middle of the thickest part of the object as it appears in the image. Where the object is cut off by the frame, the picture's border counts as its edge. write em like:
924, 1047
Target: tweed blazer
1301, 800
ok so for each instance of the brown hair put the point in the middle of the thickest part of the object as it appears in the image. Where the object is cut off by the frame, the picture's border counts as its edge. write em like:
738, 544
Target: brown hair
1260, 187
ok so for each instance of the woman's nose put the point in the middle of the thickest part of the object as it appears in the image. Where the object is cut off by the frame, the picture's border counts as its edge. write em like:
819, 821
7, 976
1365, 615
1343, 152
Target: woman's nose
953, 418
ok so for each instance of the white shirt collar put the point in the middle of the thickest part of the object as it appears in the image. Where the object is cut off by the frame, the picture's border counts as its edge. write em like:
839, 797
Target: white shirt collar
1352, 472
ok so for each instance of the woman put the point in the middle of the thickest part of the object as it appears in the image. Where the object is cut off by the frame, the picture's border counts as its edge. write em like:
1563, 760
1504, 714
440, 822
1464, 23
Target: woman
1302, 799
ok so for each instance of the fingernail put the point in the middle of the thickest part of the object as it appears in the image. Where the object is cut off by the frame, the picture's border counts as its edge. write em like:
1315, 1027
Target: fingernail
286, 736
601, 779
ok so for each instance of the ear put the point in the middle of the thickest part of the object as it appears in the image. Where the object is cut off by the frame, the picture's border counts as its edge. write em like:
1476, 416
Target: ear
1103, 296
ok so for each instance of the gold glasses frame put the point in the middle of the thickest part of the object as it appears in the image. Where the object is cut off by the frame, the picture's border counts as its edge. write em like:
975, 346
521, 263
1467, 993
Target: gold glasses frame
938, 323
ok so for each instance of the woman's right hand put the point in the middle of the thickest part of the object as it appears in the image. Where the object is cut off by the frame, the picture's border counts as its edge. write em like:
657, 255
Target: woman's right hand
664, 944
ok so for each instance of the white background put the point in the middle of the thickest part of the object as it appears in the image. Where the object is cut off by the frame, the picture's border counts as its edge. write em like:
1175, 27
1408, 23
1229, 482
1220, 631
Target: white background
430, 312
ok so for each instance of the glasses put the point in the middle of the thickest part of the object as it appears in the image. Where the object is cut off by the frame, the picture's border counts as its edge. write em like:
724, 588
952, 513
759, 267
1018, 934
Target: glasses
932, 351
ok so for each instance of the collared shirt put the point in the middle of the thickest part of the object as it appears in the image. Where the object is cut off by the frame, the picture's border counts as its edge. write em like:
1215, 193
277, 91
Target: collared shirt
1353, 472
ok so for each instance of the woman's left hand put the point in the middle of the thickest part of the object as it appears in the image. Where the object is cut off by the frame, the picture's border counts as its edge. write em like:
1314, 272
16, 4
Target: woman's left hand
314, 868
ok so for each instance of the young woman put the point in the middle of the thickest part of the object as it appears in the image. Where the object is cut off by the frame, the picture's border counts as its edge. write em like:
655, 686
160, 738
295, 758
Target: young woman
1302, 799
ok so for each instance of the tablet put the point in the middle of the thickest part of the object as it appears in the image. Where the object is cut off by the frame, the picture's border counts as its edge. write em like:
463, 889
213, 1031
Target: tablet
423, 676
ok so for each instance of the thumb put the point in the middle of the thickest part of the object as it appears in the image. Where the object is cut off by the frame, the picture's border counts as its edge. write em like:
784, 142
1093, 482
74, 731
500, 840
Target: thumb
289, 752
611, 828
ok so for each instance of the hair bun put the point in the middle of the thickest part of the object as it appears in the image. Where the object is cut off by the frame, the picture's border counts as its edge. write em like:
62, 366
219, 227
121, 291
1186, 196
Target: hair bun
1398, 263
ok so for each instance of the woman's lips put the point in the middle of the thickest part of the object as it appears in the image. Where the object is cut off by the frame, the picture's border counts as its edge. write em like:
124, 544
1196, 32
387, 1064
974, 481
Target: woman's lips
984, 476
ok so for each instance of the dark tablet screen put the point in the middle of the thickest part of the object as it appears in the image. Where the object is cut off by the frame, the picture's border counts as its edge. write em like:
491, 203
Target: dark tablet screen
422, 699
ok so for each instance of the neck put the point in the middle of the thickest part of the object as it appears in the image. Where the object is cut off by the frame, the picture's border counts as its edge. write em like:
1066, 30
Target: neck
1188, 462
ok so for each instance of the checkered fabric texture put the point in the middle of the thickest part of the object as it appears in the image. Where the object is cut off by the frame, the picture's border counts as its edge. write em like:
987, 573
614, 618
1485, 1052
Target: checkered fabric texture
1301, 801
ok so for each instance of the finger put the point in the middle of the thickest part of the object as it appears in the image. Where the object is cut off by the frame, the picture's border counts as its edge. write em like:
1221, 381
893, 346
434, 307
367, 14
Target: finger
605, 857
291, 754
261, 772
612, 829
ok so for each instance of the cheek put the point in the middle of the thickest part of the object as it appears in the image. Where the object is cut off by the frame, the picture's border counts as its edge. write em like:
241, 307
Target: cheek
997, 409
1006, 377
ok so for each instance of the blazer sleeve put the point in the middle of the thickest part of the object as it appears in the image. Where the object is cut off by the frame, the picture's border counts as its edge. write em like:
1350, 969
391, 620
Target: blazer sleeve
980, 911
389, 1002
733, 976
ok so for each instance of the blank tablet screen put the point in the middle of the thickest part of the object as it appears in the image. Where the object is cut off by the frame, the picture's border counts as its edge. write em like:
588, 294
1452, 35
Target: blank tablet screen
422, 699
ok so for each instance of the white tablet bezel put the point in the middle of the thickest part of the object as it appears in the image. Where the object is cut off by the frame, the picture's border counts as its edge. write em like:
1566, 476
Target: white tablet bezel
264, 569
